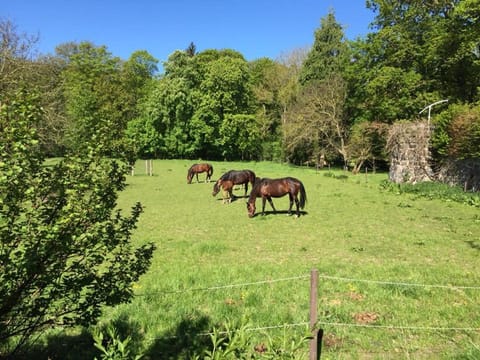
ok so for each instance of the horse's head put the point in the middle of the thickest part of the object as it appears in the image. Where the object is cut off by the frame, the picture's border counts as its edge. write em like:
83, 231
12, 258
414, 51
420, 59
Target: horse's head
189, 177
216, 187
251, 209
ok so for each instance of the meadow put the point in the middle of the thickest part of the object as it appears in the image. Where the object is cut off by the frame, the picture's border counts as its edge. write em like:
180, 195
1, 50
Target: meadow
398, 273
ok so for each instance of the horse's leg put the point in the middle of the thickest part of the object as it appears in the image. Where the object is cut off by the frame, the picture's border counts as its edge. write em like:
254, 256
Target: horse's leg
290, 196
263, 205
297, 203
270, 201
225, 196
246, 188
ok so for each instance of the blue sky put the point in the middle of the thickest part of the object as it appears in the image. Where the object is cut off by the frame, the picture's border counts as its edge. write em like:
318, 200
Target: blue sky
261, 28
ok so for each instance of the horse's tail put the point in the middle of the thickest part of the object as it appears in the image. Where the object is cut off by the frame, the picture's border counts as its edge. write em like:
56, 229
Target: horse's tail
210, 170
303, 195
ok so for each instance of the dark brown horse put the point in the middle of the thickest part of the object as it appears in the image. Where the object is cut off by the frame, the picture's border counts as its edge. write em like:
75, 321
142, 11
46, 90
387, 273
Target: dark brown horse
268, 188
196, 169
231, 178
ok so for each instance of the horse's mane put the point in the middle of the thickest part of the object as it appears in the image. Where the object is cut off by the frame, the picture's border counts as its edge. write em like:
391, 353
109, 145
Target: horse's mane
227, 175
256, 184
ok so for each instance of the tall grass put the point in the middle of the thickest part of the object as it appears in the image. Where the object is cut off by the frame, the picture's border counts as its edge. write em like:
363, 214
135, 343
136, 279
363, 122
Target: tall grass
376, 252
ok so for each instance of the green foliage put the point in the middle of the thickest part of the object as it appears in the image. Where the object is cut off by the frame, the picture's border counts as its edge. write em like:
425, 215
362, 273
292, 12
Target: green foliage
65, 248
240, 137
102, 94
434, 190
233, 341
161, 130
112, 347
334, 175
457, 132
184, 112
91, 87
329, 54
367, 142
418, 55
436, 41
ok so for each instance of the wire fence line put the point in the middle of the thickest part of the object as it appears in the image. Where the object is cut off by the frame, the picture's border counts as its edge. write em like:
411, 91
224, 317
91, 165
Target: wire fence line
304, 277
337, 324
334, 324
219, 287
399, 327
451, 287
371, 326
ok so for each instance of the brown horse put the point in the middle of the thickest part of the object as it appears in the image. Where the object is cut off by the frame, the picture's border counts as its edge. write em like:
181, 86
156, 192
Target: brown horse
231, 178
196, 169
268, 188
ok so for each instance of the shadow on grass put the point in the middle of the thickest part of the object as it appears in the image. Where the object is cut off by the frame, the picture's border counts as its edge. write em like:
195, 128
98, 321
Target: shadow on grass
280, 212
181, 342
473, 244
60, 346
233, 199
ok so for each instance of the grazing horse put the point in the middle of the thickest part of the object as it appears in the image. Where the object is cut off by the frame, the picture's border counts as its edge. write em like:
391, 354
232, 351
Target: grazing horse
231, 178
196, 169
268, 188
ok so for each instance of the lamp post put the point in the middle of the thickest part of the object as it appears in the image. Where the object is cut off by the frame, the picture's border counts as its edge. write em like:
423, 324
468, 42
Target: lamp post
429, 107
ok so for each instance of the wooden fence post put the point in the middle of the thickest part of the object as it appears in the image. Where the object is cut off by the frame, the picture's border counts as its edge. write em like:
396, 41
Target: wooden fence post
313, 313
149, 167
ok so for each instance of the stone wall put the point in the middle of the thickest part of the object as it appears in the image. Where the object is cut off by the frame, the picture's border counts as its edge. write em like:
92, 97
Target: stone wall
465, 173
410, 160
408, 146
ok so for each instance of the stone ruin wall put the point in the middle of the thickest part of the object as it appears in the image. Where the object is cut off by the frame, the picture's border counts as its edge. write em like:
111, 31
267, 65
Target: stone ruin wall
410, 159
465, 173
407, 145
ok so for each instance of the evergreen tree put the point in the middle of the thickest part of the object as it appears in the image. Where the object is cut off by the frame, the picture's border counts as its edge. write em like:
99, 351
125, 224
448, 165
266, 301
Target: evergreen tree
329, 54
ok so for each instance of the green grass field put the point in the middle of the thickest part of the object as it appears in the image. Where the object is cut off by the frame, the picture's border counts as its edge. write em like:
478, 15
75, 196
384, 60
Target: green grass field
398, 273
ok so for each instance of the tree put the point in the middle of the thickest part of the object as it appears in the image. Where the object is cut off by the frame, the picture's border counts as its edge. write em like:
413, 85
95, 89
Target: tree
188, 105
268, 81
367, 142
46, 79
21, 67
439, 41
136, 75
240, 137
191, 50
65, 248
387, 95
16, 52
162, 127
329, 54
93, 95
315, 124
456, 133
